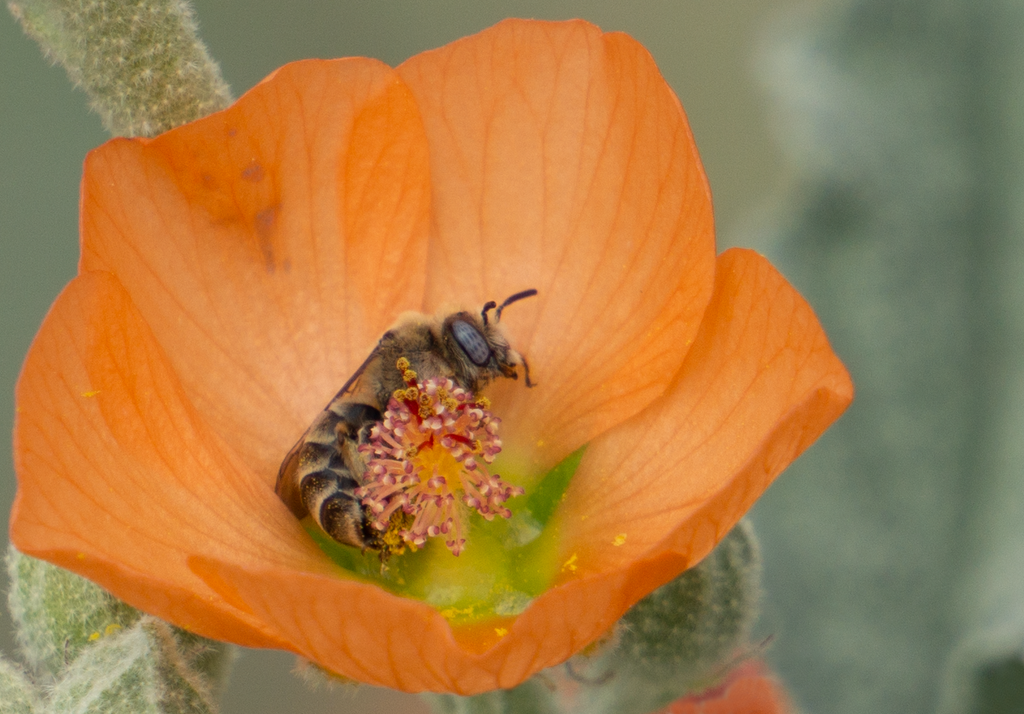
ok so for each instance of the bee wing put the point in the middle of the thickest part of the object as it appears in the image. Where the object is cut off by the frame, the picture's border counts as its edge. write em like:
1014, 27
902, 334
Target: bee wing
351, 383
287, 486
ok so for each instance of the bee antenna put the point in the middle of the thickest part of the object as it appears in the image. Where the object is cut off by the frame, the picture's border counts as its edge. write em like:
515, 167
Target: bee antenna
511, 299
490, 305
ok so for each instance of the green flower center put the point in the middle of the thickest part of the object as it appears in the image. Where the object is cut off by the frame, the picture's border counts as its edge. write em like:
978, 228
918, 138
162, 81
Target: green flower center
504, 563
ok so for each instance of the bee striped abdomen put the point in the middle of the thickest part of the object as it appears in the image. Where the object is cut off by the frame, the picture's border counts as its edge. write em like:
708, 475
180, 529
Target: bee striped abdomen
329, 470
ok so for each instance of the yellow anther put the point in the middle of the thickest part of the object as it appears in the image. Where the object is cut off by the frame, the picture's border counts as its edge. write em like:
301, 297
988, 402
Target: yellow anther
403, 364
426, 412
412, 394
400, 394
409, 375
394, 542
425, 400
483, 403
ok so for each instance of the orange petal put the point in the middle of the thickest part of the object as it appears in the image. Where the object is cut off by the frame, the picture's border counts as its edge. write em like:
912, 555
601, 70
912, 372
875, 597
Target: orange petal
562, 161
269, 245
381, 639
120, 479
389, 641
759, 385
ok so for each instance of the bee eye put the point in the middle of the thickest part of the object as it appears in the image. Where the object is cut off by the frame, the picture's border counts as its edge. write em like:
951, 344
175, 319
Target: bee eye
471, 342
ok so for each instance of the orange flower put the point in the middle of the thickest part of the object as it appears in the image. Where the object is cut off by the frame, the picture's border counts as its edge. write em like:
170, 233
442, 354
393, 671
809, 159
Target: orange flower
747, 690
236, 271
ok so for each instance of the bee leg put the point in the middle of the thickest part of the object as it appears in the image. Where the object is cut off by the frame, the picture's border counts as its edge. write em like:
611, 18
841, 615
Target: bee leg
526, 369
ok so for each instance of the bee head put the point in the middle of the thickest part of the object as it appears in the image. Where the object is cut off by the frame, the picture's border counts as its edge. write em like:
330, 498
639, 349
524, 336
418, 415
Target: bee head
477, 348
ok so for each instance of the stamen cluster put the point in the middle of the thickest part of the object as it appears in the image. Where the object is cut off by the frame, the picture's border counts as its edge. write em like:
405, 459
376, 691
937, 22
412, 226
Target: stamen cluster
429, 455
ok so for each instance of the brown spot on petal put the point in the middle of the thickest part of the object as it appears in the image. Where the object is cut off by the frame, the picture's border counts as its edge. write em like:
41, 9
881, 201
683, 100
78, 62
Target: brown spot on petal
238, 187
253, 172
265, 223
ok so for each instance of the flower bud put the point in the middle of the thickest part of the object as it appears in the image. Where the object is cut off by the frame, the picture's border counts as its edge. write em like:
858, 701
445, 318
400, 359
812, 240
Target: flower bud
681, 636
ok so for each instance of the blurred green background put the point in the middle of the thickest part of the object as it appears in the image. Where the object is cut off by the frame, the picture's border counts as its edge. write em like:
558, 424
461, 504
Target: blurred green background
872, 150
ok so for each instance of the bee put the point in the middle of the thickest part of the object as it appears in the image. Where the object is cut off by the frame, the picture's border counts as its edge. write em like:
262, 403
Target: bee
321, 473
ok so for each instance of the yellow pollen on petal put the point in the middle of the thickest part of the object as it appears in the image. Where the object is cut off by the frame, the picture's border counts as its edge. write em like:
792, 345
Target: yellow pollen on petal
570, 564
90, 394
453, 612
94, 636
500, 631
620, 539
111, 629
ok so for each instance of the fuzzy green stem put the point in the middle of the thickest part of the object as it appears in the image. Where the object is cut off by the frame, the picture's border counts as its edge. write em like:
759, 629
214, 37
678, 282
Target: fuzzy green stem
140, 61
57, 614
17, 693
89, 652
